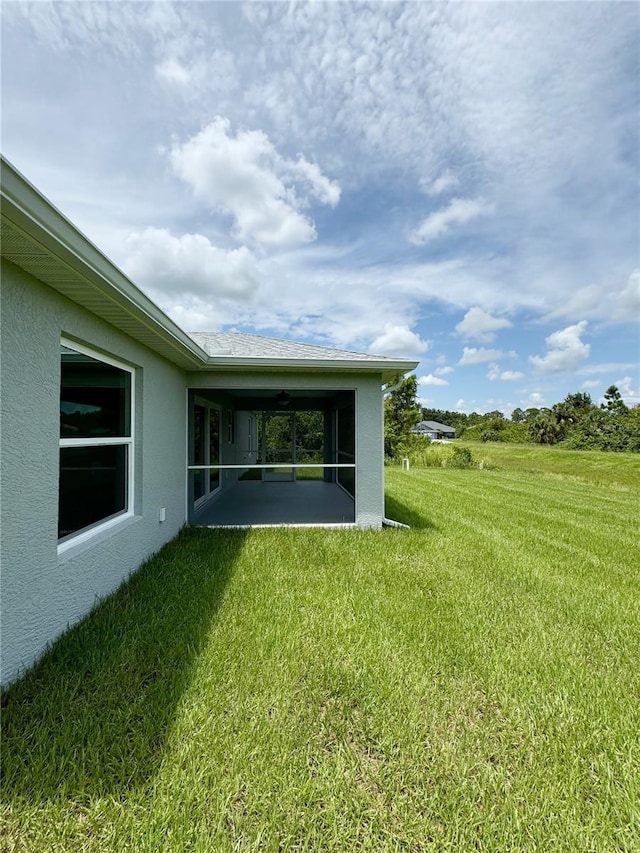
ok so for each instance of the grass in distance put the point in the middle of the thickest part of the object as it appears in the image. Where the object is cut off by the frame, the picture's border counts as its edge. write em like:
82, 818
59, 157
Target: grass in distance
594, 466
471, 684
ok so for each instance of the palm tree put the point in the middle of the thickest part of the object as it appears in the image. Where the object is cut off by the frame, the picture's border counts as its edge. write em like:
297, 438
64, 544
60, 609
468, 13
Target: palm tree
544, 428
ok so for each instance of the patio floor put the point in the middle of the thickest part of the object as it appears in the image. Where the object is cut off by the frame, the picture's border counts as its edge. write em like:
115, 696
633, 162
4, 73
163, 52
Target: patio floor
264, 503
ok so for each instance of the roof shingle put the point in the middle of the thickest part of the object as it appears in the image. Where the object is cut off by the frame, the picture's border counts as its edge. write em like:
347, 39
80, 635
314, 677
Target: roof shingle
240, 345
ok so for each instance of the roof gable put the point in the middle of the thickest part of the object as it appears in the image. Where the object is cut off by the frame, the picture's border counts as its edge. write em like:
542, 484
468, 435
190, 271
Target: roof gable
435, 426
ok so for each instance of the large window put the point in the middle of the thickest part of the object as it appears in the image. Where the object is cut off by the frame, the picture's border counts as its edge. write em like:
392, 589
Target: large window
96, 441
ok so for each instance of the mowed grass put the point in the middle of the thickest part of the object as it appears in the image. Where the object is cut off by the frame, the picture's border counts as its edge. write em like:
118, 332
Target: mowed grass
470, 685
593, 466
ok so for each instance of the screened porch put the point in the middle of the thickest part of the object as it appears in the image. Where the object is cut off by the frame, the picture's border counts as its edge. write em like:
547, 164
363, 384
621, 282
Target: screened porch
271, 457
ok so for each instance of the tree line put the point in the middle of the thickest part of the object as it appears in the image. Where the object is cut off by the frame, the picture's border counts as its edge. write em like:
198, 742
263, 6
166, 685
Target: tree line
576, 422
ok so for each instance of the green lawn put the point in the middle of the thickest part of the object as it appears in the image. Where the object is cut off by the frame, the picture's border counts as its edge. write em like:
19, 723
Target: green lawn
594, 466
470, 685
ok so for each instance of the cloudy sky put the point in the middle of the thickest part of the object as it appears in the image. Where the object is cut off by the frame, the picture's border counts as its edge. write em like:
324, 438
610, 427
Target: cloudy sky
455, 183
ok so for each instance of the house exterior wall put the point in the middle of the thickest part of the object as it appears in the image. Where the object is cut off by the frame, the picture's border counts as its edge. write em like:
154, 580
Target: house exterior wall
369, 498
434, 430
44, 592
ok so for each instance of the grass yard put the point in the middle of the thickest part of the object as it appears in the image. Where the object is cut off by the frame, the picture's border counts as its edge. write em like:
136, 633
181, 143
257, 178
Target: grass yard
470, 685
593, 466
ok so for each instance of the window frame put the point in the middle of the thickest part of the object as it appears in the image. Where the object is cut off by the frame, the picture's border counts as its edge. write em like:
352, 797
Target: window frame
128, 441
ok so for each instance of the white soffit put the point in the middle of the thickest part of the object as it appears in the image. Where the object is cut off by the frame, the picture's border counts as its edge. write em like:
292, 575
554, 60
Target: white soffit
40, 240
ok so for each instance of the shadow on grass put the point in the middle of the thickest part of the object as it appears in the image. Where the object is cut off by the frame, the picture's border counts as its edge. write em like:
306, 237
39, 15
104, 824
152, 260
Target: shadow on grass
398, 511
93, 715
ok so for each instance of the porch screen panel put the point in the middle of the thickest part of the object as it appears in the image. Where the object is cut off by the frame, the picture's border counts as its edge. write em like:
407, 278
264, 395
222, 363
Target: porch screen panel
206, 429
346, 447
214, 448
199, 453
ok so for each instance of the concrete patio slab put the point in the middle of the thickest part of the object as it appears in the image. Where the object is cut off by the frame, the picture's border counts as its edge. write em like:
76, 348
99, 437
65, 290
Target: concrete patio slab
254, 503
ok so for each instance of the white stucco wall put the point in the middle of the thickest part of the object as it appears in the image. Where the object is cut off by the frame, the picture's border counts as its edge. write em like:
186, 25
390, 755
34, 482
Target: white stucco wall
369, 423
43, 592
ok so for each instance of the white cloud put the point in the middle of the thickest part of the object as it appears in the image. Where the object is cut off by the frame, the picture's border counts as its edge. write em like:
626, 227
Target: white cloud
495, 372
245, 176
534, 401
443, 371
473, 355
627, 301
446, 181
583, 301
311, 294
565, 350
423, 79
189, 265
196, 316
631, 396
323, 189
481, 326
458, 212
172, 70
438, 92
126, 30
615, 297
396, 340
610, 367
430, 379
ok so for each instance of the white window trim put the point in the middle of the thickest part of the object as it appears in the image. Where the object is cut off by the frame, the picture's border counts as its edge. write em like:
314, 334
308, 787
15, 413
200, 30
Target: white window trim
99, 527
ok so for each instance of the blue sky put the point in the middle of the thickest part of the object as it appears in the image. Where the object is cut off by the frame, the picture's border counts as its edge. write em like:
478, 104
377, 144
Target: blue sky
455, 183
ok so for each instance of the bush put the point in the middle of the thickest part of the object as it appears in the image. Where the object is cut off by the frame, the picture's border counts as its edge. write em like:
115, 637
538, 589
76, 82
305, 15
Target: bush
418, 449
422, 453
607, 430
460, 457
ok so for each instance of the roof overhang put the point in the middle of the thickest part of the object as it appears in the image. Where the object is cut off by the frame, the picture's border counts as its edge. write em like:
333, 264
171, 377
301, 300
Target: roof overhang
39, 239
388, 370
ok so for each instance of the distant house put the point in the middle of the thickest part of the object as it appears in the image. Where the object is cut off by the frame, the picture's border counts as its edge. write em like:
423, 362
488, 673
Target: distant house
434, 430
118, 427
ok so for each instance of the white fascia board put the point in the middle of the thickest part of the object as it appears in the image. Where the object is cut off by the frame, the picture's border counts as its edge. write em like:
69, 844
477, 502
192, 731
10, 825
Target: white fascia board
391, 369
28, 210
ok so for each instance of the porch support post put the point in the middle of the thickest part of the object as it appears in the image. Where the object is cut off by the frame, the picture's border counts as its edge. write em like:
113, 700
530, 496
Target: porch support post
369, 454
190, 474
